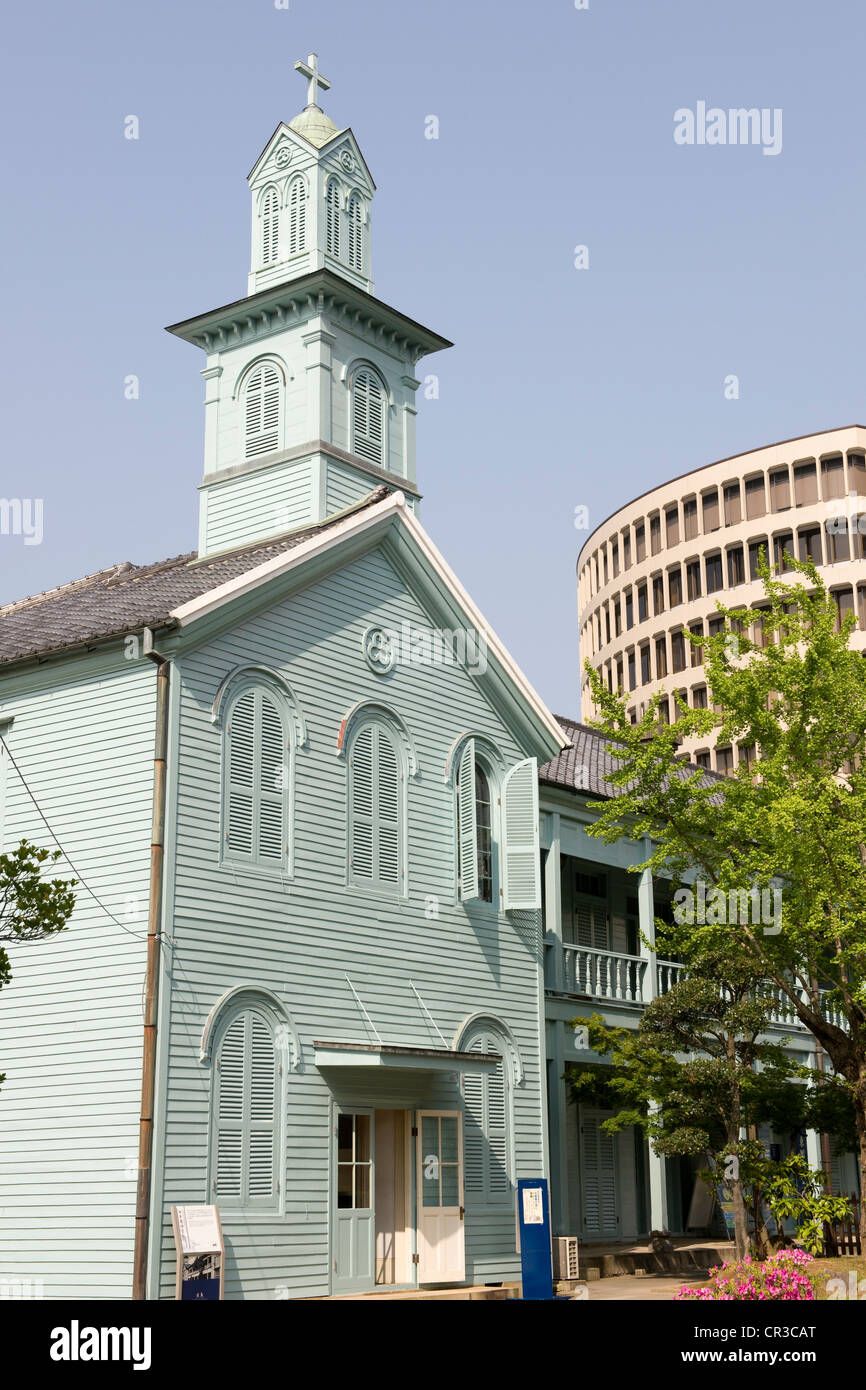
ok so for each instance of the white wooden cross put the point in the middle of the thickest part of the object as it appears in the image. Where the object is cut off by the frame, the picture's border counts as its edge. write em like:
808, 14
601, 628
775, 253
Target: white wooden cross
310, 70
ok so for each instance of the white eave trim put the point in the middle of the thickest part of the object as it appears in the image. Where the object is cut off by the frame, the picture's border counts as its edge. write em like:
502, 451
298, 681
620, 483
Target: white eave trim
381, 512
438, 562
284, 563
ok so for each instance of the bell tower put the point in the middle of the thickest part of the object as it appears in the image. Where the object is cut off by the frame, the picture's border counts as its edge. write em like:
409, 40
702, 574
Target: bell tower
311, 196
310, 380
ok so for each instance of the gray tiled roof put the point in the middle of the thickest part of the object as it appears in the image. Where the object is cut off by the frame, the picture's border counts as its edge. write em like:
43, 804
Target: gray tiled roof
127, 597
585, 765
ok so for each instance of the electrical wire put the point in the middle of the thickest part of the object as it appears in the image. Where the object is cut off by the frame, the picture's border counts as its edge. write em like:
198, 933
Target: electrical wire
136, 936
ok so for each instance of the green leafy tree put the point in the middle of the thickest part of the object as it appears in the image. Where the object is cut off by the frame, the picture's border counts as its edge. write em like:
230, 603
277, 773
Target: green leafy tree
32, 905
794, 818
790, 1188
687, 1073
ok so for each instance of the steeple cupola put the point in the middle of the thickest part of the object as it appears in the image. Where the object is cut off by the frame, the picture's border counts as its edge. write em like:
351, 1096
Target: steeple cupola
311, 196
310, 381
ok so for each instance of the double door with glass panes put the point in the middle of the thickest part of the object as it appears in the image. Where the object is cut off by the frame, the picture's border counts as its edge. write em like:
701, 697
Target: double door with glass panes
437, 1200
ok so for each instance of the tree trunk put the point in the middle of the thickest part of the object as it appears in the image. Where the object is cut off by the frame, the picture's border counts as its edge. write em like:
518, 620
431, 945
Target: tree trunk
762, 1235
741, 1224
860, 1119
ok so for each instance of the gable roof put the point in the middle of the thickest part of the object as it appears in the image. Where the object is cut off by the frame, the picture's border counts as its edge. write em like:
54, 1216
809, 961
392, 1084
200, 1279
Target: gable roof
390, 509
125, 598
181, 591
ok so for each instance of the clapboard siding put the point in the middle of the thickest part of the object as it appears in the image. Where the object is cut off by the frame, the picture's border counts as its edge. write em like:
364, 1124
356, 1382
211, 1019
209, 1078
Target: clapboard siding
70, 1021
344, 485
301, 937
258, 504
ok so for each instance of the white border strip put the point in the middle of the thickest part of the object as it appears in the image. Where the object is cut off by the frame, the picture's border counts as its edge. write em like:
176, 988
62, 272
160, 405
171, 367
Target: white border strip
288, 560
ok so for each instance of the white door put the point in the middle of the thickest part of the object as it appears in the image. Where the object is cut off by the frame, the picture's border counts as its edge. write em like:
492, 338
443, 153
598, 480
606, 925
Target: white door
441, 1250
354, 1204
598, 1176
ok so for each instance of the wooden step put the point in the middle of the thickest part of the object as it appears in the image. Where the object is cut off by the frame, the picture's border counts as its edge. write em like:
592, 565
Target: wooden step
464, 1294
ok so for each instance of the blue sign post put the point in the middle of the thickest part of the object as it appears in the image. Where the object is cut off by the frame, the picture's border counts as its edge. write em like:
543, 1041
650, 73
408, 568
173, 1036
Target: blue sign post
533, 1215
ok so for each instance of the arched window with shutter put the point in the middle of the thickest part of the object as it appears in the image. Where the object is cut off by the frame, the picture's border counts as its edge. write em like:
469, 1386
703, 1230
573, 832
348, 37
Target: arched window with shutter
263, 409
488, 1120
332, 218
475, 858
256, 779
270, 226
376, 808
297, 216
368, 416
356, 232
245, 1112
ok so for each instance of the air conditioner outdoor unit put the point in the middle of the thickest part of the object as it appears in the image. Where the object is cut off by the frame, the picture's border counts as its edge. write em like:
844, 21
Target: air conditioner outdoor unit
565, 1261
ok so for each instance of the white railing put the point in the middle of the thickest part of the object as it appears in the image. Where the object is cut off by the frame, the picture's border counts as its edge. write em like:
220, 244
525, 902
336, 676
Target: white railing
668, 972
604, 974
622, 978
784, 1015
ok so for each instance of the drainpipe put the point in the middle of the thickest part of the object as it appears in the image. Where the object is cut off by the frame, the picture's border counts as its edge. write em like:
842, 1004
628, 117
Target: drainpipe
151, 976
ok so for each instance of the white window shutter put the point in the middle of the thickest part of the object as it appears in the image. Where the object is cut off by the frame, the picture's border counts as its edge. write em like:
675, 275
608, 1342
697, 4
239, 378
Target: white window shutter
241, 775
263, 402
261, 1162
256, 805
230, 1111
246, 1113
356, 233
497, 1126
332, 219
486, 1105
297, 217
474, 1140
361, 805
375, 809
388, 810
270, 227
368, 416
272, 784
466, 830
522, 863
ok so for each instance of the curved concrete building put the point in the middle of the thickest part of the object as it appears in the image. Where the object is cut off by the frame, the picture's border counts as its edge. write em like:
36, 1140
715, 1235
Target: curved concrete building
658, 565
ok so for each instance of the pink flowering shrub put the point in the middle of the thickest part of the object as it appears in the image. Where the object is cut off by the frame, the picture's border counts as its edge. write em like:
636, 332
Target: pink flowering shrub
782, 1276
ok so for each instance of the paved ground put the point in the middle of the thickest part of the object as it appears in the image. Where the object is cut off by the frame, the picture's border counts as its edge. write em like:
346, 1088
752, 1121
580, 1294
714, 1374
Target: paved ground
643, 1287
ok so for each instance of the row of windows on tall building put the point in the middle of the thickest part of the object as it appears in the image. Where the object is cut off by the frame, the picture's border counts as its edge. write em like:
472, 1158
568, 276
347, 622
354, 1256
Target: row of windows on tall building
258, 798
668, 653
263, 406
344, 223
833, 543
799, 485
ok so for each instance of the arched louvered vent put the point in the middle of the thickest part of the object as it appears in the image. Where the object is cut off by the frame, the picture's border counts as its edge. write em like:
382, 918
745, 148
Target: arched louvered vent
256, 794
375, 810
263, 403
297, 217
356, 233
368, 416
245, 1114
486, 1098
270, 227
332, 218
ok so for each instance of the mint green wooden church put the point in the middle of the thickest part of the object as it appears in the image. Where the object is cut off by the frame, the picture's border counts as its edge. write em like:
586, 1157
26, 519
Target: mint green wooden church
303, 979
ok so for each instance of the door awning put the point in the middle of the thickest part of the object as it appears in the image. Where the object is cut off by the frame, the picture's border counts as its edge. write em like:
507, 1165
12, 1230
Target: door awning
402, 1058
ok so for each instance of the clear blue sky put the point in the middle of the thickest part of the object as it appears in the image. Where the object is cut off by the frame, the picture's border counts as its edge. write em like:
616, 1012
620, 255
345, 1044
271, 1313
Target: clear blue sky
565, 387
